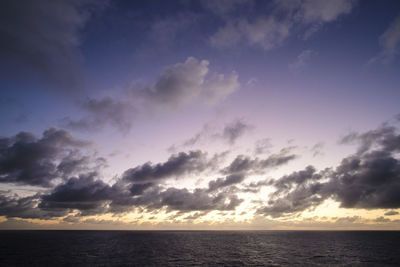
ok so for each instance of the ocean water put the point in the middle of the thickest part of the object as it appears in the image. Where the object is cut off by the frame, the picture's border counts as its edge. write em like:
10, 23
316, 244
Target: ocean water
199, 248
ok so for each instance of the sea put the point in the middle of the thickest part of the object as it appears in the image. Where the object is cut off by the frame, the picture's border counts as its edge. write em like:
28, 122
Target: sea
199, 248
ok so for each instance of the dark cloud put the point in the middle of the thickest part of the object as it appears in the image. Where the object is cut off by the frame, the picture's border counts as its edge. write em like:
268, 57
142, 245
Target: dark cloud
74, 163
198, 200
255, 187
138, 189
391, 213
296, 179
300, 199
235, 130
81, 193
224, 182
176, 166
384, 137
175, 199
41, 38
102, 112
26, 207
89, 196
369, 179
25, 159
246, 164
294, 193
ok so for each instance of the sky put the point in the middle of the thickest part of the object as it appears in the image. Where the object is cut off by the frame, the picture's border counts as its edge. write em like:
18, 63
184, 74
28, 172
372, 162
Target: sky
200, 114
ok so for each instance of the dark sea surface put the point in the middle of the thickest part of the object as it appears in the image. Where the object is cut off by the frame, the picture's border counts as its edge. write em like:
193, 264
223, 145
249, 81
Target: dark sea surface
199, 248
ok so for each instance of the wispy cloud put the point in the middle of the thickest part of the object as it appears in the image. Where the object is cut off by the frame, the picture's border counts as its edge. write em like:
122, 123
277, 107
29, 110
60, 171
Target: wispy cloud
271, 30
390, 43
302, 60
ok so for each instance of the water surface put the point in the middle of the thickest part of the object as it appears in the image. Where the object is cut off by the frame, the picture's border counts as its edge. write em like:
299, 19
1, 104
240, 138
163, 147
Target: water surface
199, 248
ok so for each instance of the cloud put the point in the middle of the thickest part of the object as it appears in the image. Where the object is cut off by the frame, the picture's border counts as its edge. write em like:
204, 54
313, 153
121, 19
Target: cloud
302, 60
226, 36
224, 7
137, 187
298, 200
235, 130
384, 137
166, 30
391, 213
294, 193
105, 111
266, 32
242, 164
176, 166
74, 163
317, 149
285, 183
177, 85
81, 193
369, 179
224, 182
198, 200
25, 159
315, 11
382, 219
41, 38
389, 42
220, 86
152, 197
205, 132
181, 83
271, 30
262, 146
25, 207
229, 133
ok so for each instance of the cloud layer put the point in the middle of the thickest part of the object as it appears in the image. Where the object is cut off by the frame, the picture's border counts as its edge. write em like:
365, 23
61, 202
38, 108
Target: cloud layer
270, 30
368, 179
